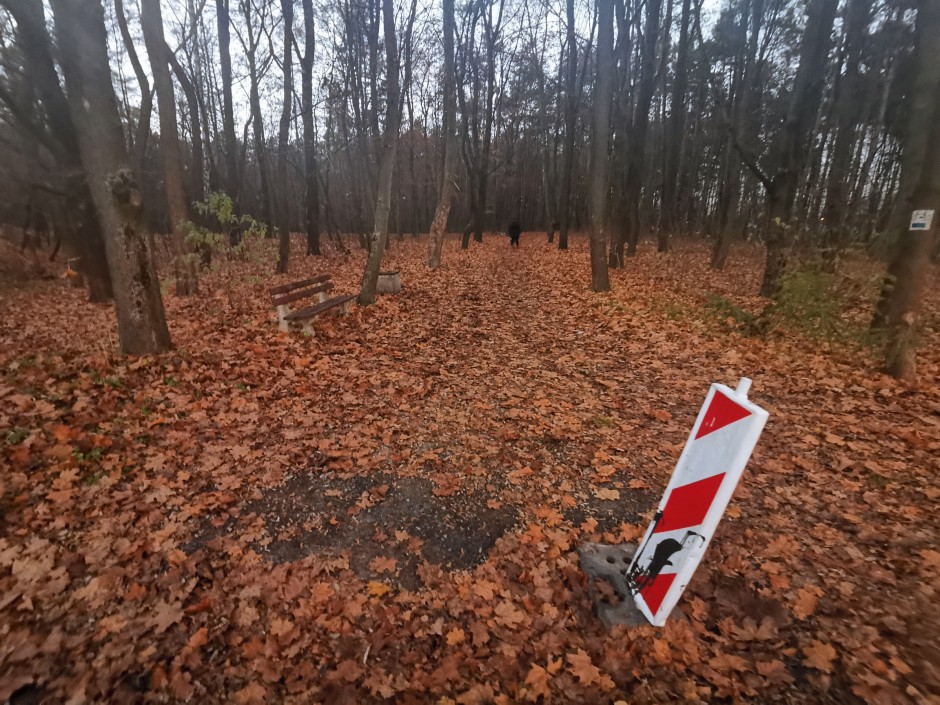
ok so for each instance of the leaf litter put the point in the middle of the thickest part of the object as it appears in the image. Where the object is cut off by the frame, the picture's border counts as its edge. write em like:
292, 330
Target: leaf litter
390, 510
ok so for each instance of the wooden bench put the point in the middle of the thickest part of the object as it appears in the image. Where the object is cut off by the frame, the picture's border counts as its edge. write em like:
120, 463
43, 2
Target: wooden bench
319, 286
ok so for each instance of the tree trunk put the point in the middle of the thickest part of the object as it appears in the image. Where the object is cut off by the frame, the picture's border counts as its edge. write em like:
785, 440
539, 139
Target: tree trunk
146, 97
792, 145
151, 21
676, 132
250, 46
636, 158
571, 106
34, 42
198, 182
449, 175
379, 237
848, 107
311, 176
283, 139
232, 181
902, 292
491, 34
83, 43
603, 90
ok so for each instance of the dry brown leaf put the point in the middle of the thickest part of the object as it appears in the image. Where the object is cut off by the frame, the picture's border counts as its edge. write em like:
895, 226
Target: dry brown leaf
819, 655
252, 694
383, 564
606, 493
377, 588
805, 604
509, 615
165, 615
586, 672
537, 683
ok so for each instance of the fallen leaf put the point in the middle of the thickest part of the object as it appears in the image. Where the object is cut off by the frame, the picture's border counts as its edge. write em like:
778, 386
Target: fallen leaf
382, 564
252, 694
606, 493
586, 672
805, 604
165, 615
819, 656
377, 588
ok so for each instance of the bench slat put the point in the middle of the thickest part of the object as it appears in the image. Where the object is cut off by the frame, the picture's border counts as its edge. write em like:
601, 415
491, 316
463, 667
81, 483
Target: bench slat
312, 311
285, 288
302, 294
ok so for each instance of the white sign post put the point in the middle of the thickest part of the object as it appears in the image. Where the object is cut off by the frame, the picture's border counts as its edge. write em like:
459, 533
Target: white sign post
719, 446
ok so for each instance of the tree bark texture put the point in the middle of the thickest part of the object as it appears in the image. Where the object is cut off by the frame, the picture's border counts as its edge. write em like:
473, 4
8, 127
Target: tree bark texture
676, 134
311, 171
571, 116
902, 293
449, 175
93, 105
232, 181
379, 236
146, 97
792, 145
40, 68
283, 139
636, 158
185, 263
603, 91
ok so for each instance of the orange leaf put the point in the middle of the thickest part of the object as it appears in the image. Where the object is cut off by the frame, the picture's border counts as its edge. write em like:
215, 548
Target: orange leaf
377, 588
253, 694
537, 683
382, 564
819, 656
199, 638
806, 600
586, 672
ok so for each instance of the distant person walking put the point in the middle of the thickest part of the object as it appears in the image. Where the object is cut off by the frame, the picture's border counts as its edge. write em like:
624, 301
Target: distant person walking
514, 232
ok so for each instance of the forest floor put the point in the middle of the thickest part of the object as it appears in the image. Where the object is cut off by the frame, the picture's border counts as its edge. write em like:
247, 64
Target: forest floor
390, 510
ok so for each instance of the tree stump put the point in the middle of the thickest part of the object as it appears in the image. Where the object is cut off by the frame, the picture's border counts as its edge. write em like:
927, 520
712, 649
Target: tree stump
389, 283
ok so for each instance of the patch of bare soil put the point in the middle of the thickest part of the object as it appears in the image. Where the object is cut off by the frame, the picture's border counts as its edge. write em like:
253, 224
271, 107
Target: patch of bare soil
378, 516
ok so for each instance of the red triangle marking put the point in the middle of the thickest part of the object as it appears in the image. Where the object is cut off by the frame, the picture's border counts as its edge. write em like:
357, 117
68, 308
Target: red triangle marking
654, 593
721, 412
687, 505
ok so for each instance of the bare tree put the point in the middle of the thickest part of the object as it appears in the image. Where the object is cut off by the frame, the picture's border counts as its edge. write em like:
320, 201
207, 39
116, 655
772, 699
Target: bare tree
256, 16
84, 49
571, 116
283, 137
311, 171
636, 157
449, 175
389, 145
902, 293
151, 21
146, 96
33, 39
676, 132
603, 90
223, 20
791, 146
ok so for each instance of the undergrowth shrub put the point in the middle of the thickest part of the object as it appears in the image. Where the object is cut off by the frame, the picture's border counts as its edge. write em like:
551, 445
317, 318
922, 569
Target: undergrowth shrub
821, 305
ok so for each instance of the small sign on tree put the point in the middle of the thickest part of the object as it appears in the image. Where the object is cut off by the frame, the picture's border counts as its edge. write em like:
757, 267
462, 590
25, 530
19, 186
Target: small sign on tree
921, 220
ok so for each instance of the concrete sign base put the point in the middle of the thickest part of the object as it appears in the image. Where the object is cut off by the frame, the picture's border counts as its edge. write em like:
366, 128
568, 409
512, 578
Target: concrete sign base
602, 561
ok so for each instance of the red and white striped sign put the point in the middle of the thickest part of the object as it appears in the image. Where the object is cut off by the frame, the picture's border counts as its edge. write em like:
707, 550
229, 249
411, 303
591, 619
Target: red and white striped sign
719, 446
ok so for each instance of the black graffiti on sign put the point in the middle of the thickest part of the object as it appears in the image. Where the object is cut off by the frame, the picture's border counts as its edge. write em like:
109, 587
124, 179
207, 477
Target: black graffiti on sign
664, 551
